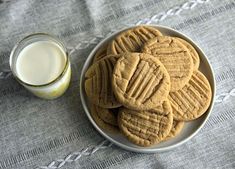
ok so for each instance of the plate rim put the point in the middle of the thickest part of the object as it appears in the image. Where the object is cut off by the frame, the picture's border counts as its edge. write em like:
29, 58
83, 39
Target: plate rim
143, 149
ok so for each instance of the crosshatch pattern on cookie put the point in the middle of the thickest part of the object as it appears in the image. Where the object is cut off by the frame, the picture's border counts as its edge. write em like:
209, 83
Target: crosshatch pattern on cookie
146, 128
176, 128
174, 56
98, 83
107, 115
193, 100
140, 81
193, 53
132, 40
101, 53
100, 122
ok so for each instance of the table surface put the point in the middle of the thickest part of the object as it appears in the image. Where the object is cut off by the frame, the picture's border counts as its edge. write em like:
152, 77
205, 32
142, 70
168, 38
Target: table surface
36, 133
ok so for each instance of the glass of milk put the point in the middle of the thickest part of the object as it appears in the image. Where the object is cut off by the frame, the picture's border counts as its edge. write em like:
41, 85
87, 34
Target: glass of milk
41, 64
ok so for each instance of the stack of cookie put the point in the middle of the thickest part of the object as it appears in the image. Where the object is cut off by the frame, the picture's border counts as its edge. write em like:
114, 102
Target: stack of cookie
146, 85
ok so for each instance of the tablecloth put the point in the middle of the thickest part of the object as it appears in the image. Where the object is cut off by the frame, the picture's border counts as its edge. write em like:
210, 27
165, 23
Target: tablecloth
36, 133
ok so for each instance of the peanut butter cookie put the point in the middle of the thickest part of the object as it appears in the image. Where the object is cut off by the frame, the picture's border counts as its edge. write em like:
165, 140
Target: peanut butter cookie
193, 53
176, 128
101, 53
140, 81
108, 115
100, 122
98, 83
148, 127
132, 39
174, 56
193, 99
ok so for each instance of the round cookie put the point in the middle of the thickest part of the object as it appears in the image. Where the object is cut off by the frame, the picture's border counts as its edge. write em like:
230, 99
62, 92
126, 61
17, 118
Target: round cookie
193, 53
174, 56
100, 122
107, 115
176, 128
140, 81
101, 53
192, 100
98, 83
146, 128
132, 39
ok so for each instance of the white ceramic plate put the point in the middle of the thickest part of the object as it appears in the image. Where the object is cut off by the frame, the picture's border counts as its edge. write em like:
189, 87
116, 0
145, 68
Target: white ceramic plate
190, 129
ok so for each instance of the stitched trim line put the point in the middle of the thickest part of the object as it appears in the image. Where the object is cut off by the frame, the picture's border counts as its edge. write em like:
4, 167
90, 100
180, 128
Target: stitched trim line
5, 74
176, 10
213, 121
77, 155
45, 147
224, 96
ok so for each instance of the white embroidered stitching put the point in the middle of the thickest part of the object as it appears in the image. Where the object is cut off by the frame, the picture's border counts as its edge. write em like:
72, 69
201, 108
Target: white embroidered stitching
77, 155
4, 75
173, 11
176, 10
105, 144
224, 96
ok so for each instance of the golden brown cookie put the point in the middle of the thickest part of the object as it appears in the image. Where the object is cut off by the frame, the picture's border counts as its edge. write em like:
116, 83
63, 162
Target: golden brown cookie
100, 122
174, 56
132, 39
193, 53
107, 115
193, 99
98, 83
146, 128
101, 53
176, 128
140, 81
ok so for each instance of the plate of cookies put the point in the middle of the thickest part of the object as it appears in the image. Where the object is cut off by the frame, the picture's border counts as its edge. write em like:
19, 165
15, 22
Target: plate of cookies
147, 88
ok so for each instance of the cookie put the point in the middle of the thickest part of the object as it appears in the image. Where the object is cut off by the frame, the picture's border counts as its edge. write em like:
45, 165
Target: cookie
100, 122
98, 83
132, 39
148, 127
140, 81
174, 56
107, 115
193, 53
192, 100
101, 53
176, 128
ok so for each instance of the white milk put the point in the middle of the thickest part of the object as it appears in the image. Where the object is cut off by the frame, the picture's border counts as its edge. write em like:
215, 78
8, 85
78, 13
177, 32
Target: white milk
40, 63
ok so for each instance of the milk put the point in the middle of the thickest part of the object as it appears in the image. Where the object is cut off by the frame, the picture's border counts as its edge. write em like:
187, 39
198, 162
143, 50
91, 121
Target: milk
40, 62
42, 66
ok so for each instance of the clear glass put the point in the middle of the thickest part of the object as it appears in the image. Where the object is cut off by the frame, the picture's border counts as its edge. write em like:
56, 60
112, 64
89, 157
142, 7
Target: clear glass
52, 89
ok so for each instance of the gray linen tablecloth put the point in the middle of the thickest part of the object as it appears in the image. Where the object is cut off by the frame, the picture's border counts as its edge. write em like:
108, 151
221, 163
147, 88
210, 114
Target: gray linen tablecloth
36, 133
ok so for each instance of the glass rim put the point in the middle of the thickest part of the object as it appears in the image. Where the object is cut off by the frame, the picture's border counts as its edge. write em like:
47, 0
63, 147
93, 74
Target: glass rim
58, 41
